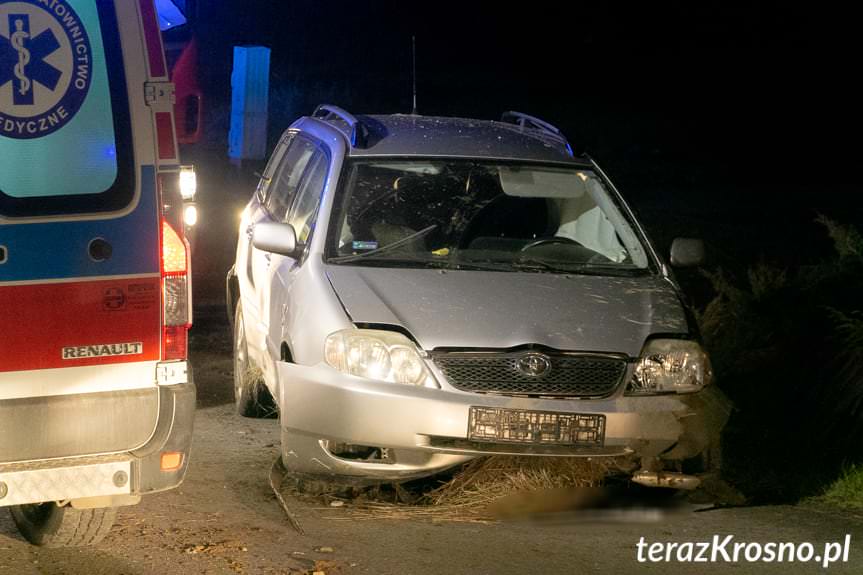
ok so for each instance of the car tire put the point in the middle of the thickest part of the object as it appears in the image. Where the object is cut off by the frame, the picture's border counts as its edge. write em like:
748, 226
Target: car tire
251, 395
50, 525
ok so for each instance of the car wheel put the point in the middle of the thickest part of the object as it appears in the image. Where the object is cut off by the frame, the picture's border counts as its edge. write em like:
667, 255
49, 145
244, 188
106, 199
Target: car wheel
50, 525
250, 393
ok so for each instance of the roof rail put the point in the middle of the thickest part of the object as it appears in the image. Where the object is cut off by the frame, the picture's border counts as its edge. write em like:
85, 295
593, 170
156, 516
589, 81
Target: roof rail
534, 123
357, 133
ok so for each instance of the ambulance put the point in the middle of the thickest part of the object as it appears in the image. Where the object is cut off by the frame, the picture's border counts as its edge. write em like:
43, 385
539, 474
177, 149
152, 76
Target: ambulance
96, 394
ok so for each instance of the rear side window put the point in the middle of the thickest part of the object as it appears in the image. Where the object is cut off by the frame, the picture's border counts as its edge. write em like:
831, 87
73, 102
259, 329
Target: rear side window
65, 137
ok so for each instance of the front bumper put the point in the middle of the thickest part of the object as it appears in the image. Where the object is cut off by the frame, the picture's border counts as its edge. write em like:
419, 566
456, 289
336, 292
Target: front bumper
426, 430
118, 475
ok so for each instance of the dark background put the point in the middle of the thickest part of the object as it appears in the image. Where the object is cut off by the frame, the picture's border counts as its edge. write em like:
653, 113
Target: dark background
715, 119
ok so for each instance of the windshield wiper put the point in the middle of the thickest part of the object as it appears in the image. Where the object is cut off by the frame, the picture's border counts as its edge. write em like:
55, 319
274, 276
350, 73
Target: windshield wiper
576, 268
439, 264
384, 249
537, 265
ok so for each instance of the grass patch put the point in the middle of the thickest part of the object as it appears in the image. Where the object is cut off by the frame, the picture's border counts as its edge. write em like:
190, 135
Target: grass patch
847, 490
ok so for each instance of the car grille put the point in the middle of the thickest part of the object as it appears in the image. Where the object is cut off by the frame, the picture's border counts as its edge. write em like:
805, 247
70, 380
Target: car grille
569, 375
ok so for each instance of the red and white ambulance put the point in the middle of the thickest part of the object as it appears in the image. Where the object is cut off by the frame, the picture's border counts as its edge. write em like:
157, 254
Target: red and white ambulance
96, 395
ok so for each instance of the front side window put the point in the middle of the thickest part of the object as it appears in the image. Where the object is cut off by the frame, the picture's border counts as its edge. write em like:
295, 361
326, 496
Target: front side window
470, 214
305, 207
64, 121
283, 188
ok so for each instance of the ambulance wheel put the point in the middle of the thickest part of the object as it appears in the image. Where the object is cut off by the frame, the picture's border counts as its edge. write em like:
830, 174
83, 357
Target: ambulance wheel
50, 525
251, 395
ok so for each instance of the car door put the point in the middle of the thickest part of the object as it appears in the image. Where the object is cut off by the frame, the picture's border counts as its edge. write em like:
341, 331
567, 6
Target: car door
283, 270
255, 212
277, 203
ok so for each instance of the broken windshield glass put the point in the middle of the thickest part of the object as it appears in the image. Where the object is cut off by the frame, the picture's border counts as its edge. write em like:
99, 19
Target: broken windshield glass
520, 217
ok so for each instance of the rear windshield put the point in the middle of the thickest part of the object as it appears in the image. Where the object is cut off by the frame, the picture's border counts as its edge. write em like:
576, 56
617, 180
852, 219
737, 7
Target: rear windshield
65, 145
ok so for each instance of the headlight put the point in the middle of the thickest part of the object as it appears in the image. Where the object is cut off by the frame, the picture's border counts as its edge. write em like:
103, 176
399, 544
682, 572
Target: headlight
670, 366
378, 354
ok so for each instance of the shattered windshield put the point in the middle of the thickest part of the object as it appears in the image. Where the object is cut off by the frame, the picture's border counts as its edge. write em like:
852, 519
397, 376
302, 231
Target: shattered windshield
482, 215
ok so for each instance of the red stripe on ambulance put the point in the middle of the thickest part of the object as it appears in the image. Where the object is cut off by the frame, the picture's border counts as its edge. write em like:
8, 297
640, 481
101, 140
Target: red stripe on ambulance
80, 323
153, 38
165, 136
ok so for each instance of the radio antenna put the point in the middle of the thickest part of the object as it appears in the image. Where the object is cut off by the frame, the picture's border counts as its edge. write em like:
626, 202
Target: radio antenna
414, 71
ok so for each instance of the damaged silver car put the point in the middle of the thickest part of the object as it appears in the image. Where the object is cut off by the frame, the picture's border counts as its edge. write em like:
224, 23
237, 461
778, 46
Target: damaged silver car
412, 292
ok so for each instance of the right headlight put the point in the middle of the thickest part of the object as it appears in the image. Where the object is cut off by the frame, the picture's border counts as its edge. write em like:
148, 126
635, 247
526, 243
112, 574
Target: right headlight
377, 354
670, 366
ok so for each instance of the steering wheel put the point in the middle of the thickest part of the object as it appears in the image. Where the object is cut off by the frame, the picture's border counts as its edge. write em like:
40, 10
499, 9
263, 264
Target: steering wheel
549, 241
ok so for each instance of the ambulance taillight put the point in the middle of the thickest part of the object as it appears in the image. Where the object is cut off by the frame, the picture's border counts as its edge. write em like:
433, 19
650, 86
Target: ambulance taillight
176, 290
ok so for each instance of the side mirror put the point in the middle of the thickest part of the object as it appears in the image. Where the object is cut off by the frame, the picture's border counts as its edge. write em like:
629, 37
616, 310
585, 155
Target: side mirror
687, 252
276, 238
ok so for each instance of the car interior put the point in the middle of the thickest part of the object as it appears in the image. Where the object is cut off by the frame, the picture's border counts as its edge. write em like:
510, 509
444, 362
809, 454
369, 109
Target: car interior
478, 215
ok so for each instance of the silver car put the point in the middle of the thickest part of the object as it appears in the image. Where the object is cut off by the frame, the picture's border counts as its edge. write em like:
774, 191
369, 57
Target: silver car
412, 292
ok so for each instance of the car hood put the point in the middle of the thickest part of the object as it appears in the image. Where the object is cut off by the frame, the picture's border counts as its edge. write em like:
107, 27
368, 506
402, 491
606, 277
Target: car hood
479, 309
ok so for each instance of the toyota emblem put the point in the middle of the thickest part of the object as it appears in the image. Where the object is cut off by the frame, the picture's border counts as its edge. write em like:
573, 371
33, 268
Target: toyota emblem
533, 364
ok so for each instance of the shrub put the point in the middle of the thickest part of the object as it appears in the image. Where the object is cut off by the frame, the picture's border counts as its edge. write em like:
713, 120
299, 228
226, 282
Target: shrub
787, 347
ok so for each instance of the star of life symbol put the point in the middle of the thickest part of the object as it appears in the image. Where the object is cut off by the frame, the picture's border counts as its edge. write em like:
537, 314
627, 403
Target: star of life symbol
45, 66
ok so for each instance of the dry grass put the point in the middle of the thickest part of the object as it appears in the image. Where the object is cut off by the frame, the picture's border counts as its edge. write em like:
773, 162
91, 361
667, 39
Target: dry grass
470, 496
253, 375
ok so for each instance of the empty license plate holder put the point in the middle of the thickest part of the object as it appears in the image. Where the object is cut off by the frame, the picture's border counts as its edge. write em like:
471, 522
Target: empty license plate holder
500, 425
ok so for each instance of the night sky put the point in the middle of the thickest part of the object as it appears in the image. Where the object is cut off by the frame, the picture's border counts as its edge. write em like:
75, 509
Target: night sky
756, 101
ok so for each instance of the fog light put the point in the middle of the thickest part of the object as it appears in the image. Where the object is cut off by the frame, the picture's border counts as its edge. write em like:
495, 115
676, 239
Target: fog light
171, 461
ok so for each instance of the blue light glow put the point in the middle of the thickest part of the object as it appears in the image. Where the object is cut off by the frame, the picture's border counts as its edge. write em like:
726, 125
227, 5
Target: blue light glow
169, 15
